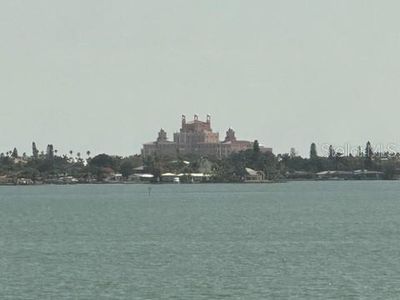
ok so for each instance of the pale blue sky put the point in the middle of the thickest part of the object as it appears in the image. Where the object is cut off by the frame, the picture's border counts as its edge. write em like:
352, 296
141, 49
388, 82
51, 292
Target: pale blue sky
106, 75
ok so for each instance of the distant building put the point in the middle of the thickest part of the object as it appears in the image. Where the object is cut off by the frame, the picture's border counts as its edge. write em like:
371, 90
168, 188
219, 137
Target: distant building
197, 137
348, 175
254, 176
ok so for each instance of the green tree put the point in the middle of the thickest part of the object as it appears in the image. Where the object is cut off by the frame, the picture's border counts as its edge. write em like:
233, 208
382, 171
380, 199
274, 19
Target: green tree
368, 156
14, 153
313, 151
102, 161
359, 152
126, 168
256, 147
35, 151
368, 150
389, 172
50, 152
332, 154
101, 165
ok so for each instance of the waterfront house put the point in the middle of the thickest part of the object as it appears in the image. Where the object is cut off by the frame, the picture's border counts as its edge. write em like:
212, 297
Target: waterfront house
368, 175
254, 176
335, 175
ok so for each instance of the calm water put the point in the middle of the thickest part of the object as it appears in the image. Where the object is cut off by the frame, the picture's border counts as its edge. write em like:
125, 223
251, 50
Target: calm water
305, 240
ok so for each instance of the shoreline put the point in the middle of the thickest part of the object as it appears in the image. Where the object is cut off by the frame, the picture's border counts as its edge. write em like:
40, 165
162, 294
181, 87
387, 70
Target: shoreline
197, 183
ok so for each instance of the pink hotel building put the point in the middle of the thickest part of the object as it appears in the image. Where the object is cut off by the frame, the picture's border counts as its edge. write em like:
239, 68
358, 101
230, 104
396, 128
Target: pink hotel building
197, 137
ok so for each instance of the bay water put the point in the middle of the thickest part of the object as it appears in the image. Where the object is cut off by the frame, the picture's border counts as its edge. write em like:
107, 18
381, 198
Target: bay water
296, 240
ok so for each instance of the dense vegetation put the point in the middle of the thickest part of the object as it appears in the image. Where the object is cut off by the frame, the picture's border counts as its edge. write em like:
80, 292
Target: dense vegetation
41, 166
48, 166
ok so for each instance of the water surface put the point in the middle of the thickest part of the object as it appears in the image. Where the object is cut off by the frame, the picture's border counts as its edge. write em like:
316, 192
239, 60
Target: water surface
302, 240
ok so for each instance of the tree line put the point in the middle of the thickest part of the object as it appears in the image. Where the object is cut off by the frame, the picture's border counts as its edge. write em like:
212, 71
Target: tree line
45, 165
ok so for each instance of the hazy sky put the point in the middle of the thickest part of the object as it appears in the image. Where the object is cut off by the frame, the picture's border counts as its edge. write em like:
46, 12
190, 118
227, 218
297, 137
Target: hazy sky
105, 76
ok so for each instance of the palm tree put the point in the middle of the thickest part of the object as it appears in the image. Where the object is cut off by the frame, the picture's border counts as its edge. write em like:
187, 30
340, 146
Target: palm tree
88, 153
71, 152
